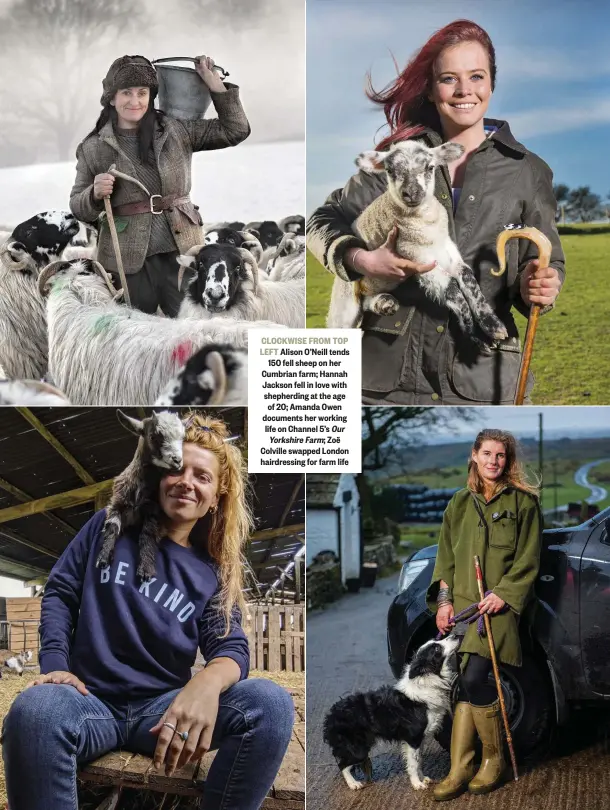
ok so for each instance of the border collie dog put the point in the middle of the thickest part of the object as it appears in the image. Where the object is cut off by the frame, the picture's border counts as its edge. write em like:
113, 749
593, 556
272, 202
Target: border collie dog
410, 712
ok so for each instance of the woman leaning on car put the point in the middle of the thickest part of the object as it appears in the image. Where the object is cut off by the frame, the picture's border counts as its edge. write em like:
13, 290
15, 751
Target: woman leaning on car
417, 356
497, 517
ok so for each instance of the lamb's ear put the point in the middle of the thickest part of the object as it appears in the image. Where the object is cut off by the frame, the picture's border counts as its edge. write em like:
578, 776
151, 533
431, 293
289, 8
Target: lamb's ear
447, 152
129, 423
371, 161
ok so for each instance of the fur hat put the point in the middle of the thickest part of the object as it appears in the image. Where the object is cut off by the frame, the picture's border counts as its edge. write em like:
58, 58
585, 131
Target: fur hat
129, 71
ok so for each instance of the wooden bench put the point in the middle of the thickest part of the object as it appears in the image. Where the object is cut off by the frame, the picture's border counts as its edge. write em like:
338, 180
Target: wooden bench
121, 769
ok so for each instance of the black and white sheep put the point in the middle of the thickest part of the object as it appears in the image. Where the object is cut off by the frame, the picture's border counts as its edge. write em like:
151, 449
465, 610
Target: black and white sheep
134, 500
215, 375
226, 283
423, 237
23, 330
103, 353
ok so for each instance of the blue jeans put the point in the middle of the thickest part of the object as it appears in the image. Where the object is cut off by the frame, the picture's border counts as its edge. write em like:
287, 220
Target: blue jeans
52, 728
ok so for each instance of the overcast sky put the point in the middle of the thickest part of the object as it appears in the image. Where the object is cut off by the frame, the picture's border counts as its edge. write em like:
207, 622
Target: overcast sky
553, 68
523, 421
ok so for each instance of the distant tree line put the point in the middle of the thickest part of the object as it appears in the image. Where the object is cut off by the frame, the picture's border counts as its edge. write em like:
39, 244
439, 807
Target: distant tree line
580, 204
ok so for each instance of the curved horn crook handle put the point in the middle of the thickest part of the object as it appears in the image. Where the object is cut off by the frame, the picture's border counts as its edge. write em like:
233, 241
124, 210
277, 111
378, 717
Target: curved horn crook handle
533, 234
115, 173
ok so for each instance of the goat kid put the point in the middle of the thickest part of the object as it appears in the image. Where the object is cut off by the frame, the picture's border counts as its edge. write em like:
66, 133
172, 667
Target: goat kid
135, 491
14, 661
423, 237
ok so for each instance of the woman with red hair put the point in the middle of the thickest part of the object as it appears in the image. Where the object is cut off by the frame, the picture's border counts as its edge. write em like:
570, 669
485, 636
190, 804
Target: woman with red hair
417, 356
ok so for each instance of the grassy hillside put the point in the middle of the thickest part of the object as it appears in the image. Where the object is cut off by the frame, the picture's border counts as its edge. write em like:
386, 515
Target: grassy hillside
571, 355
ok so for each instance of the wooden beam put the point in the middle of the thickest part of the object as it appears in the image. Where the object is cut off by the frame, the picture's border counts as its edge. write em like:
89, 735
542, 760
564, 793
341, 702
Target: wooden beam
22, 496
265, 534
60, 501
292, 499
57, 445
18, 538
30, 569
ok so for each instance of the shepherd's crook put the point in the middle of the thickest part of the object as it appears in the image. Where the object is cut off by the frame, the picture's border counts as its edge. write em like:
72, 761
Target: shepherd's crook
494, 663
544, 256
115, 242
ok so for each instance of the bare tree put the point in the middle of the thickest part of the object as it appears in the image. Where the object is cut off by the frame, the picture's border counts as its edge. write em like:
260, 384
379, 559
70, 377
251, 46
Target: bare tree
228, 11
51, 58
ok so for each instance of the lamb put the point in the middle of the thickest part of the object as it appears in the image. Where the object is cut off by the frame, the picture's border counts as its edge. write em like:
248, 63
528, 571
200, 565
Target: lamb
288, 261
103, 353
134, 491
23, 329
14, 661
215, 375
423, 237
227, 283
31, 393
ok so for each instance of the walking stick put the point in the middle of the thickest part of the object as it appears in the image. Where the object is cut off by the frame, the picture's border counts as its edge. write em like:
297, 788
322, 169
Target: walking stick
544, 255
115, 243
494, 663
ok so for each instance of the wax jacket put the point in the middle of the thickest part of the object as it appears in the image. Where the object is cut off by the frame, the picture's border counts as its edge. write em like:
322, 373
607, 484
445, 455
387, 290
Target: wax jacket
418, 355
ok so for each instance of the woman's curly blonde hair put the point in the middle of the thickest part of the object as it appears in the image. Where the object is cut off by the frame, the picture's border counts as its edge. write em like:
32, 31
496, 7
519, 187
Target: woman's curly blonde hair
231, 524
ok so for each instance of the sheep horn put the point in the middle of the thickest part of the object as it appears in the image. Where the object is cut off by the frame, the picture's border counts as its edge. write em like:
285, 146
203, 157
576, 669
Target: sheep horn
101, 271
46, 273
7, 259
216, 365
252, 244
533, 234
46, 388
247, 256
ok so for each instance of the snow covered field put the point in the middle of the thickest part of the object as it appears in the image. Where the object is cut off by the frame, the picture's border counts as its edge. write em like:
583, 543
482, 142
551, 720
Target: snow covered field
261, 181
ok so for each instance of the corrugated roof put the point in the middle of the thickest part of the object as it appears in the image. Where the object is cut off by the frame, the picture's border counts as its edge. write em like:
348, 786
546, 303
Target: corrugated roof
94, 437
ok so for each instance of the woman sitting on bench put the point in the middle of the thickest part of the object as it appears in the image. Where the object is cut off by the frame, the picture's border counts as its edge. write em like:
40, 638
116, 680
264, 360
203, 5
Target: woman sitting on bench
116, 653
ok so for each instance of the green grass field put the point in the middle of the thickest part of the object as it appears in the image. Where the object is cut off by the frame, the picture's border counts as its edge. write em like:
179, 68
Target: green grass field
567, 490
571, 360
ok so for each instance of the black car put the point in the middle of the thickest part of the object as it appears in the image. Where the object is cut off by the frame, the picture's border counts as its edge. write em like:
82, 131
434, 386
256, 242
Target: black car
565, 637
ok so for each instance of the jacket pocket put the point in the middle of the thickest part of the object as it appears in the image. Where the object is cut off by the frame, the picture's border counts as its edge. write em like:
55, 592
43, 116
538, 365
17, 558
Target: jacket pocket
384, 343
503, 530
492, 378
191, 213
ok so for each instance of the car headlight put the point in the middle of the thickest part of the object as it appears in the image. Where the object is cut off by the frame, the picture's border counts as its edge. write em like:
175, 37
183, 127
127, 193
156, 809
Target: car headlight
410, 571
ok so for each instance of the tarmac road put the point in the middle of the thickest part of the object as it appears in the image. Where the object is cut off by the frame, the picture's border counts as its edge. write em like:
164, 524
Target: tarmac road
580, 477
346, 652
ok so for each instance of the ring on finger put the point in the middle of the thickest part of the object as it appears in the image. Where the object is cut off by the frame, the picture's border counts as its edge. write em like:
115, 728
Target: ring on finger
184, 735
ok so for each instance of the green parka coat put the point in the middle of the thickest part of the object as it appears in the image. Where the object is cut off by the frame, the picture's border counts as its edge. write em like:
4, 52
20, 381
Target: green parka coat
507, 540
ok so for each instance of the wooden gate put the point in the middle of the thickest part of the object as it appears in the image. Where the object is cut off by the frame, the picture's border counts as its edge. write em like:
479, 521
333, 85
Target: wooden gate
276, 635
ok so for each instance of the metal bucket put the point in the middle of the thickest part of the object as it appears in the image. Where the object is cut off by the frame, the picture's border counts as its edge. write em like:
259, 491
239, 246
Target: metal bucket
182, 93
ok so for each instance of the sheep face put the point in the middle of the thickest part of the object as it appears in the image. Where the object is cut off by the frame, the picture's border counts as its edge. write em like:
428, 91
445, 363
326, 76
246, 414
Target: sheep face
221, 273
43, 236
268, 232
409, 167
215, 375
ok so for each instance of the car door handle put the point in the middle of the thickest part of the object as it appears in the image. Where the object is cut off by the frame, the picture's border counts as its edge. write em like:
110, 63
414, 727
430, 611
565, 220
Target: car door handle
547, 578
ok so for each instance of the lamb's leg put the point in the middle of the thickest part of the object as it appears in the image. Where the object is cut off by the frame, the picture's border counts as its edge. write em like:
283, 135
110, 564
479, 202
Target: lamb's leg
412, 760
344, 311
381, 304
148, 545
110, 532
483, 313
456, 302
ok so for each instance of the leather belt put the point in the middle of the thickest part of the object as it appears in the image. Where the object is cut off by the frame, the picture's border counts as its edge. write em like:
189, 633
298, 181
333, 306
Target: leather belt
155, 205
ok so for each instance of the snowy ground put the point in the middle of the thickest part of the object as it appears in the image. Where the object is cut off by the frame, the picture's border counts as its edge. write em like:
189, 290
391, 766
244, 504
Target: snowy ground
261, 181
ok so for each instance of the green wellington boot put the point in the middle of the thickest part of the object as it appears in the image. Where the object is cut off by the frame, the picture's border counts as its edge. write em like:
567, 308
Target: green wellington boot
492, 772
463, 736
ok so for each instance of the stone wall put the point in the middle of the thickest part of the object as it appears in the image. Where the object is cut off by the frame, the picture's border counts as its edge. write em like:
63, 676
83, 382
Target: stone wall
323, 584
382, 551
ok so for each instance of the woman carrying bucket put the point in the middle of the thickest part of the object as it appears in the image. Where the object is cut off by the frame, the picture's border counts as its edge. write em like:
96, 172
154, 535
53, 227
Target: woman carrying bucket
156, 150
497, 517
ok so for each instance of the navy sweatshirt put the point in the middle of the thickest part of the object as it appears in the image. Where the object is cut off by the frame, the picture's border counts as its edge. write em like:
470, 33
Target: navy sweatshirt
127, 640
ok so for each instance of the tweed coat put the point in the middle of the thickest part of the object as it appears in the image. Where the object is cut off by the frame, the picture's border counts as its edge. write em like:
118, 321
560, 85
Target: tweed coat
507, 540
173, 144
418, 356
